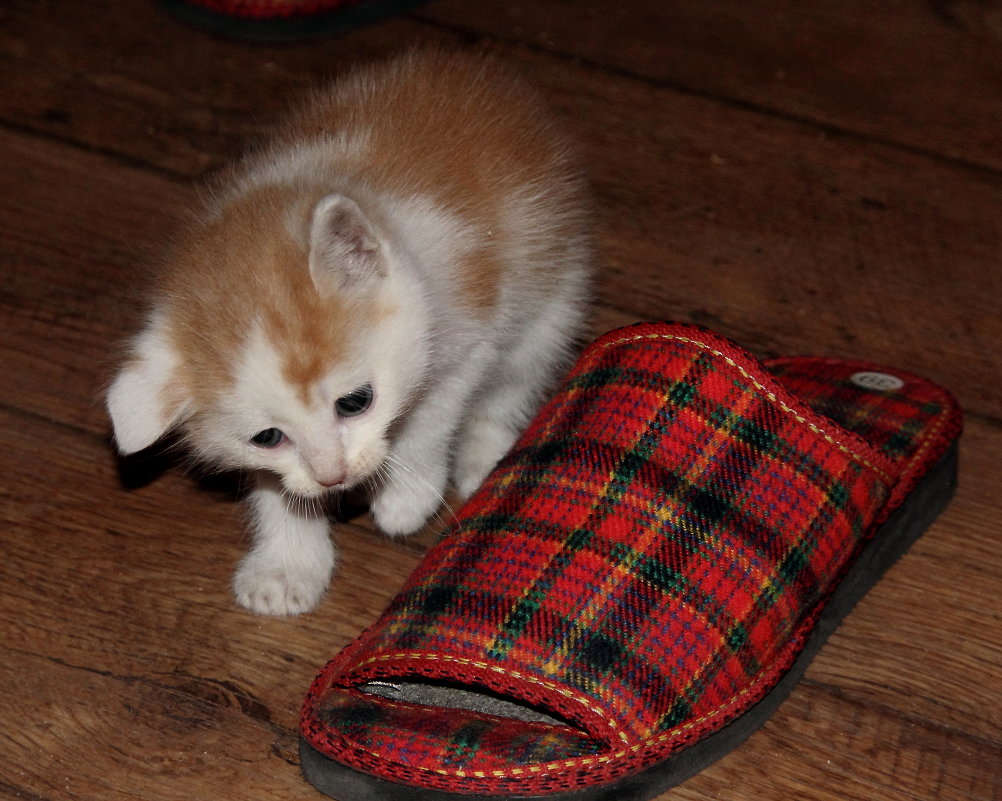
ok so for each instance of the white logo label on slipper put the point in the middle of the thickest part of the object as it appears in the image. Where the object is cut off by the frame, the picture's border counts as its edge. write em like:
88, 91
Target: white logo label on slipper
878, 382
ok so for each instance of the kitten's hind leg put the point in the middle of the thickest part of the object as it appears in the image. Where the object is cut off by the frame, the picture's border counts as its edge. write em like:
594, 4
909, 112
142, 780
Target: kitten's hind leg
289, 566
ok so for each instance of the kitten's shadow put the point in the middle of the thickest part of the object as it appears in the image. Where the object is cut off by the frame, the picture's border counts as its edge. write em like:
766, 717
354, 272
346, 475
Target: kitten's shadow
139, 470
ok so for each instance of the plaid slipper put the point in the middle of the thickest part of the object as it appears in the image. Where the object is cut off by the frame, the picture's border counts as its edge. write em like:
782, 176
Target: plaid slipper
282, 20
641, 581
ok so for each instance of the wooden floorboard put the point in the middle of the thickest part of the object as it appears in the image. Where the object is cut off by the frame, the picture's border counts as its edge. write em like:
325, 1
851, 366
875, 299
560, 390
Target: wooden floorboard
921, 75
822, 178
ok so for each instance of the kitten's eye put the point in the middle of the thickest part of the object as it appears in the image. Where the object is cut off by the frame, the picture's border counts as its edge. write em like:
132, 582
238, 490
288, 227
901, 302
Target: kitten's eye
355, 402
269, 438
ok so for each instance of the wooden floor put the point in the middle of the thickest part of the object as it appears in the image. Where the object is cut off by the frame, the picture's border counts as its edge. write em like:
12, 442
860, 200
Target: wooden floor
820, 177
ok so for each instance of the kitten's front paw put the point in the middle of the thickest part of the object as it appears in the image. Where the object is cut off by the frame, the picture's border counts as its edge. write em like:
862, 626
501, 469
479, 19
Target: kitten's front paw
282, 591
402, 509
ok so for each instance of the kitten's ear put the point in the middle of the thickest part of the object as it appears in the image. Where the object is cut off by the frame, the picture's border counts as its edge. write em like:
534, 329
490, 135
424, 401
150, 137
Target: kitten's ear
344, 250
146, 399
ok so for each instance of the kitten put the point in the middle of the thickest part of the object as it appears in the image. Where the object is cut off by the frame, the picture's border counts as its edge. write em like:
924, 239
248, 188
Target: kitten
379, 298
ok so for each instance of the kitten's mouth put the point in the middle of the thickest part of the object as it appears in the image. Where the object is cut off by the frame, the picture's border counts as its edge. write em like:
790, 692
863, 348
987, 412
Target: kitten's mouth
320, 492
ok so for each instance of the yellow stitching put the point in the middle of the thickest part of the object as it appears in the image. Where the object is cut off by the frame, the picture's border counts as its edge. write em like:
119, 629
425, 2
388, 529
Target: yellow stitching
768, 394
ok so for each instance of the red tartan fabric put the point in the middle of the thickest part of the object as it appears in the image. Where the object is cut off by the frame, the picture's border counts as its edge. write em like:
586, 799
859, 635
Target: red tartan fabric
271, 9
902, 424
643, 565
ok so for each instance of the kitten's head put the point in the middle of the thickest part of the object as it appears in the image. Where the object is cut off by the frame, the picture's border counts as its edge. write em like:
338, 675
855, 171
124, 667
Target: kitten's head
284, 339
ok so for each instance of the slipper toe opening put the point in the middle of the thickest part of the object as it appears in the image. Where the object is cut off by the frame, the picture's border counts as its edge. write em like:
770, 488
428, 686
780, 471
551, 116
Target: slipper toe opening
444, 695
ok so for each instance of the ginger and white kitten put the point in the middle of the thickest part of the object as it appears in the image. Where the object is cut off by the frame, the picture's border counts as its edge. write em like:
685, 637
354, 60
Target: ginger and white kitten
380, 297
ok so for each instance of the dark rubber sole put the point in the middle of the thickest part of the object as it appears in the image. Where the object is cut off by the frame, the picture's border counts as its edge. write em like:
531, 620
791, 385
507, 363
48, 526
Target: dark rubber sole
286, 29
924, 504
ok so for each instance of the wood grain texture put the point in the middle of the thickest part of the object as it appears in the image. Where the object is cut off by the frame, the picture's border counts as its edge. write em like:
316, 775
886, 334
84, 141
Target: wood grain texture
923, 75
819, 178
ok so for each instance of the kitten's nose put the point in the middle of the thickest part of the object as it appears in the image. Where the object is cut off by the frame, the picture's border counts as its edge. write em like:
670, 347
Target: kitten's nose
331, 481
